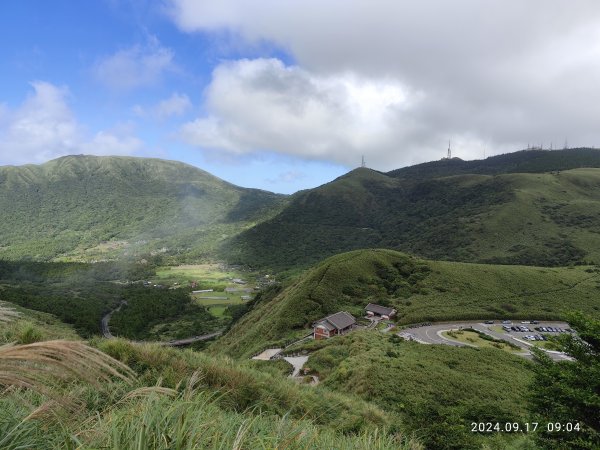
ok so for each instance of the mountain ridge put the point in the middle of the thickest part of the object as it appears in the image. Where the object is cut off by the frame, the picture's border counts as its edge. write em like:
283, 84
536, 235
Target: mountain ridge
532, 218
522, 161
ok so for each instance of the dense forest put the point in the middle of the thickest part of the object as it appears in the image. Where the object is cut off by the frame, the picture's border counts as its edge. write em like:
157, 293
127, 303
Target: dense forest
81, 294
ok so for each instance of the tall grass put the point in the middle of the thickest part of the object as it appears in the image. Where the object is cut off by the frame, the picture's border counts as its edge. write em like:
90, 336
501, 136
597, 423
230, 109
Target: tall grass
36, 379
200, 403
242, 388
42, 366
161, 422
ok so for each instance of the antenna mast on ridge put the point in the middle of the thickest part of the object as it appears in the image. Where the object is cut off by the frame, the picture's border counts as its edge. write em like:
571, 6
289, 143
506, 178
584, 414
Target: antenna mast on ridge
449, 151
362, 163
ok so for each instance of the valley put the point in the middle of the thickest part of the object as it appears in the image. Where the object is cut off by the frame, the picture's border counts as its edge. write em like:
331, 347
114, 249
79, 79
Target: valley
225, 274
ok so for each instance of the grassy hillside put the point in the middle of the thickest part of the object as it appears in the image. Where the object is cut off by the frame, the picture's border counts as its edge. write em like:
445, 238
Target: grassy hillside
23, 326
187, 400
544, 219
375, 391
437, 390
88, 207
420, 290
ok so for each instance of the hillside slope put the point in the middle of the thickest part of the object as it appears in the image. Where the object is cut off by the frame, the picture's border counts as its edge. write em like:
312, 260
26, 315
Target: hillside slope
174, 399
95, 207
547, 219
420, 290
437, 389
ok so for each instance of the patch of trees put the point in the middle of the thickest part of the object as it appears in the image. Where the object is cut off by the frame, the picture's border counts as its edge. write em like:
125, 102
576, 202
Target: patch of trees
82, 309
147, 307
77, 293
569, 391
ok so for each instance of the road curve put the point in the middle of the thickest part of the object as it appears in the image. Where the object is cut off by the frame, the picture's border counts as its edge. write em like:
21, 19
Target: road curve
432, 334
175, 343
105, 330
191, 340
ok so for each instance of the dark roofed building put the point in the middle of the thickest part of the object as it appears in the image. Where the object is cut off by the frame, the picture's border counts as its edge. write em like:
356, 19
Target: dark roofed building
380, 311
338, 323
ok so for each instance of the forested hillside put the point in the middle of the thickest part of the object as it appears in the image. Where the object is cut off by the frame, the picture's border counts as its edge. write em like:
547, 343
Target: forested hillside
88, 207
547, 219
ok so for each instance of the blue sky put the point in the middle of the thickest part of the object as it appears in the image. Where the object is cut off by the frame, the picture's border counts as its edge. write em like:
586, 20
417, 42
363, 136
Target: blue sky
64, 44
289, 95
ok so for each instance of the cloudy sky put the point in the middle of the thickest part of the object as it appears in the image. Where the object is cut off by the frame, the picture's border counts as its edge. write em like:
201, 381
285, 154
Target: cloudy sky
286, 95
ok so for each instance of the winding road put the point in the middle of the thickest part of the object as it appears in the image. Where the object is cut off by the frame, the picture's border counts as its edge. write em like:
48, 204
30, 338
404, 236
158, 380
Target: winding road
432, 334
175, 343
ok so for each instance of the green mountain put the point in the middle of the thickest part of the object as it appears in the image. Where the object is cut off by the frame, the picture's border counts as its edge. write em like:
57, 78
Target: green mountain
532, 207
88, 207
420, 290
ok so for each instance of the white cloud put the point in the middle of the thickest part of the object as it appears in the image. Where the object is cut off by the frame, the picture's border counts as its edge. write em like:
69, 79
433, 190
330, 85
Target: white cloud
257, 105
494, 75
288, 176
43, 127
176, 105
134, 67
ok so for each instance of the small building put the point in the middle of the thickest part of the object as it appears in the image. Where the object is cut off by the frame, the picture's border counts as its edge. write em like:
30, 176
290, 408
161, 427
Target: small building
338, 323
378, 311
237, 289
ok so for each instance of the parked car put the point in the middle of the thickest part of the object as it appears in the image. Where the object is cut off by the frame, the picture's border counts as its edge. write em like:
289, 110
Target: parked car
489, 322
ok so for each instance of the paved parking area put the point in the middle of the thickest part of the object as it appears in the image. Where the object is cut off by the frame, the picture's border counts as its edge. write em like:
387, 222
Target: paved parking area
432, 334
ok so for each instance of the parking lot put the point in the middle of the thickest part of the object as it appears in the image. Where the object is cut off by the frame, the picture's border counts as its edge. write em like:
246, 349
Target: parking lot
520, 335
532, 331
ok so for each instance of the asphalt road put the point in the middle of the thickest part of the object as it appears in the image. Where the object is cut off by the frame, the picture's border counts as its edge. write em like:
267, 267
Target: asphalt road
177, 343
191, 340
432, 334
105, 330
